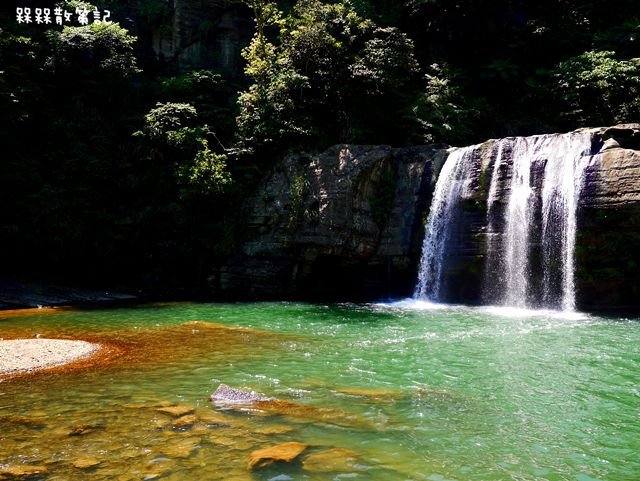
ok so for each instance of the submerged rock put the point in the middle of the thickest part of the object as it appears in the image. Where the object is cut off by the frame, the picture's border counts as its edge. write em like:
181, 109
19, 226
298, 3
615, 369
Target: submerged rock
83, 429
21, 472
86, 463
26, 421
185, 421
332, 460
285, 452
233, 398
181, 448
370, 393
215, 419
274, 429
311, 413
176, 411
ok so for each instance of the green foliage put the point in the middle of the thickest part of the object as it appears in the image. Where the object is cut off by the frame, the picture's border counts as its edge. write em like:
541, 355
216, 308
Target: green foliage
441, 109
209, 93
298, 193
624, 39
19, 76
599, 89
206, 174
105, 47
166, 119
386, 61
196, 83
172, 134
267, 109
314, 75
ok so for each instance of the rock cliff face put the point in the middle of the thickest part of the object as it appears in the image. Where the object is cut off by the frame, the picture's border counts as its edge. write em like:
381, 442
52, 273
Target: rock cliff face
349, 223
345, 224
204, 34
608, 244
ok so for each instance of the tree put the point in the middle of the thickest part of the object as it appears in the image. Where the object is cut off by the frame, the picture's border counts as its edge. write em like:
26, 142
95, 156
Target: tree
173, 137
268, 114
596, 88
444, 113
103, 47
324, 74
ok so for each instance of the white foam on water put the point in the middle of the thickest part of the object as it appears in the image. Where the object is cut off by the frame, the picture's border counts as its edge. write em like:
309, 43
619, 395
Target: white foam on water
411, 304
522, 312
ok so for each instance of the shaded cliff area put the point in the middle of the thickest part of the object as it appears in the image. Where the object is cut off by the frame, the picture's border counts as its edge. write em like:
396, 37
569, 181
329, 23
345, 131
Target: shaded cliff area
345, 224
349, 223
190, 35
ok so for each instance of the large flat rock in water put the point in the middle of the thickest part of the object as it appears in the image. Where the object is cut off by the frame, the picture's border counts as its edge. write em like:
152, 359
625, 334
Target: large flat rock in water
27, 355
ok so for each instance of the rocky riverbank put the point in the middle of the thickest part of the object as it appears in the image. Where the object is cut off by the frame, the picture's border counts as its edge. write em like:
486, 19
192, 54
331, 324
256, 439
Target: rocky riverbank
20, 295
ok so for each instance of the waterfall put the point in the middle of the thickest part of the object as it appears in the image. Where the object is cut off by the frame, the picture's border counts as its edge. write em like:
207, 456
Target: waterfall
532, 206
517, 225
563, 182
546, 176
452, 183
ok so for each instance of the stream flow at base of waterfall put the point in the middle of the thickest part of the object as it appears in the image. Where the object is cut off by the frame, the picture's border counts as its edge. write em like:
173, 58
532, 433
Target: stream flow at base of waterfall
399, 391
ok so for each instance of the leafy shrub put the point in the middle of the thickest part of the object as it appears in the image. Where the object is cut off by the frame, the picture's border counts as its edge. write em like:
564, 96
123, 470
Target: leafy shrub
596, 88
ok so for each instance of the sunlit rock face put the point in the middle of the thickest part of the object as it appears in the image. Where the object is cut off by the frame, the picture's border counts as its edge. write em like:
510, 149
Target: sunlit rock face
608, 271
346, 223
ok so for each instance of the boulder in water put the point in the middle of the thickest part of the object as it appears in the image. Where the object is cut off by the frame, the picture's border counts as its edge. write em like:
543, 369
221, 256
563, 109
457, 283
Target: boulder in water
185, 421
376, 394
229, 395
181, 448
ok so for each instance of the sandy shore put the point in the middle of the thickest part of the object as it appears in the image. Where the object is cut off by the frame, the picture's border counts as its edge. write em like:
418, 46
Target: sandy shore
27, 355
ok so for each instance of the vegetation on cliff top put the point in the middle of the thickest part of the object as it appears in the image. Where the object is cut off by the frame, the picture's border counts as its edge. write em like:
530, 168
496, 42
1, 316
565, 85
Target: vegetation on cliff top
115, 165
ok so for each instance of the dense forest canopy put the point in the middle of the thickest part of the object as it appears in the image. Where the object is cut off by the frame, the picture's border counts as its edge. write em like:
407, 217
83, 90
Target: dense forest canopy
119, 164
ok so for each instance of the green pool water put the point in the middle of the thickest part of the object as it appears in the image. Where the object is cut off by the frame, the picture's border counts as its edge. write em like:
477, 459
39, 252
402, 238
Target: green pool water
414, 391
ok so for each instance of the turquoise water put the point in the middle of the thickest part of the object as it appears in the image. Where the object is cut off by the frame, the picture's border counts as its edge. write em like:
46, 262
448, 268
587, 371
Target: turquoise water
416, 392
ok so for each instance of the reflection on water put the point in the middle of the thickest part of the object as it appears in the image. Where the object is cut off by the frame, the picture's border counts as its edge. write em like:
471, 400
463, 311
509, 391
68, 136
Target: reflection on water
378, 392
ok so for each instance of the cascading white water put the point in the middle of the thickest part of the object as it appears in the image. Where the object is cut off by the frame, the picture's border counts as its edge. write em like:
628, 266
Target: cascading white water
451, 185
563, 181
532, 206
518, 223
560, 161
